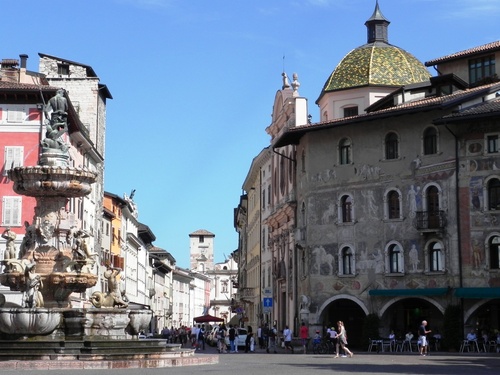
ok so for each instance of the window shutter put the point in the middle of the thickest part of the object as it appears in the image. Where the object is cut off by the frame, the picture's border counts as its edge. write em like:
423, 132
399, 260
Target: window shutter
16, 114
11, 213
14, 156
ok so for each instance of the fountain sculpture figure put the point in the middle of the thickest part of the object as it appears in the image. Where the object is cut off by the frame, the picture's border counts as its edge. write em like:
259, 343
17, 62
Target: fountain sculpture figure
54, 261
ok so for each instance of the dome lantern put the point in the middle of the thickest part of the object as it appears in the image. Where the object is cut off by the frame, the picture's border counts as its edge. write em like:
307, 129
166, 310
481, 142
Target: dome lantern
377, 26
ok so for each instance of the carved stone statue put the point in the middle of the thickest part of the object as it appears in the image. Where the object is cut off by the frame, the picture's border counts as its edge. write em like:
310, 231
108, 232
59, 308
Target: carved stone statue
113, 298
59, 107
57, 122
29, 240
32, 297
10, 247
305, 302
78, 245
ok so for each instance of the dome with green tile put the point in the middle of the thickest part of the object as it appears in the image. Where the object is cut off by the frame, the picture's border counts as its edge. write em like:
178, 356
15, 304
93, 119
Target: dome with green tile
377, 62
374, 64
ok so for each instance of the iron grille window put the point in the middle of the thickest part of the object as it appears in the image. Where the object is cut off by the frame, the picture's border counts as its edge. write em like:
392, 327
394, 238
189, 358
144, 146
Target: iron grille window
430, 141
391, 146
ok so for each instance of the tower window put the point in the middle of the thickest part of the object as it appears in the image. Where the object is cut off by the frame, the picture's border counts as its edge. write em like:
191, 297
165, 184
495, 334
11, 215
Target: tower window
63, 69
350, 111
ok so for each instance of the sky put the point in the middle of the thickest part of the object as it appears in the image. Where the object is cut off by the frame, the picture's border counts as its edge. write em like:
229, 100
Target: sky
193, 84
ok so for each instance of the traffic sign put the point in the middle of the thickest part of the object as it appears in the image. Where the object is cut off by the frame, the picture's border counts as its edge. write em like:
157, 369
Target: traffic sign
268, 302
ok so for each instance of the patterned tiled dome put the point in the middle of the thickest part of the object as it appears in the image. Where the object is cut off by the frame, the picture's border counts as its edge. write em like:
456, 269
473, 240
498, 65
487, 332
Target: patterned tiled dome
376, 64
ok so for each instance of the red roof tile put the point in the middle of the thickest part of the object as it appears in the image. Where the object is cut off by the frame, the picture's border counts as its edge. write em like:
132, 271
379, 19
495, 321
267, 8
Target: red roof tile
485, 48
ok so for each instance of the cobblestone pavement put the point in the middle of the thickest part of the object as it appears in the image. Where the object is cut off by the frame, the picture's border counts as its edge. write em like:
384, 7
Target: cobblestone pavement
299, 364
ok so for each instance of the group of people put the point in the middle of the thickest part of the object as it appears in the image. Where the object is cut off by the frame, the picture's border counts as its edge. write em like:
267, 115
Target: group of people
184, 335
484, 339
232, 334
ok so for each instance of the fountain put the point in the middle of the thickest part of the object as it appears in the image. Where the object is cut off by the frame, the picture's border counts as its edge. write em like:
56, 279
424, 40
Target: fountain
53, 262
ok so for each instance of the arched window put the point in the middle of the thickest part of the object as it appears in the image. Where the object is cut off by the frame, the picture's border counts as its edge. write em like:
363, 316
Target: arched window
430, 141
391, 146
432, 195
347, 259
346, 209
345, 151
395, 255
393, 205
494, 194
494, 249
435, 257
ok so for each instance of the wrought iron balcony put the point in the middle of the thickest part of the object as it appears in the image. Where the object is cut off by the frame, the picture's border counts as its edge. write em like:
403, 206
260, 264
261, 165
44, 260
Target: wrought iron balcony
430, 220
246, 293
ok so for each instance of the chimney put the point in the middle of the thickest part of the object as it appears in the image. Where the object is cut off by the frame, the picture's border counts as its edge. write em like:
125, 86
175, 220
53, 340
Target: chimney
23, 58
9, 70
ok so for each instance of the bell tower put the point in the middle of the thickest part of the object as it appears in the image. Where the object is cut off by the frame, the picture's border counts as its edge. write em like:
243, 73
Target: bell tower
201, 250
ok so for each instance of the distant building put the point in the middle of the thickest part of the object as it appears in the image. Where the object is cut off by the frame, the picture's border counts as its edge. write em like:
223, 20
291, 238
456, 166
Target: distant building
182, 283
201, 250
222, 290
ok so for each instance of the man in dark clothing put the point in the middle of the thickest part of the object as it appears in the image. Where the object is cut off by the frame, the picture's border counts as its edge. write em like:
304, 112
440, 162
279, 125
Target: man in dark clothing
232, 337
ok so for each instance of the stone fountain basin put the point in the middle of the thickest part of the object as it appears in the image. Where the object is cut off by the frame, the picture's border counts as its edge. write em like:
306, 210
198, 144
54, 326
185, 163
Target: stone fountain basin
50, 181
29, 322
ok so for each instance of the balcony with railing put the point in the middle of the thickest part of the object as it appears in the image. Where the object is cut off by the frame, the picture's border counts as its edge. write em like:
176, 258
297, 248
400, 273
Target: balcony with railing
430, 221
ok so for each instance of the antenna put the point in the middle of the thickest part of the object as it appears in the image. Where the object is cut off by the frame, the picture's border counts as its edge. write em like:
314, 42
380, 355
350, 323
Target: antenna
283, 62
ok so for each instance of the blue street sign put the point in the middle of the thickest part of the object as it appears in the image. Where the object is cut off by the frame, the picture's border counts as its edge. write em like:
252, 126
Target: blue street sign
268, 302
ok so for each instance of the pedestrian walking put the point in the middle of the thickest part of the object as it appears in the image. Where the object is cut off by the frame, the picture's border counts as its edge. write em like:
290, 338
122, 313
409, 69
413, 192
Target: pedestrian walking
201, 337
260, 337
287, 337
304, 336
221, 339
232, 337
272, 339
342, 339
247, 339
422, 337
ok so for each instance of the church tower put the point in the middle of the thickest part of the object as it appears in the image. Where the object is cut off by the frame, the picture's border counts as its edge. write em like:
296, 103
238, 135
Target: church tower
201, 250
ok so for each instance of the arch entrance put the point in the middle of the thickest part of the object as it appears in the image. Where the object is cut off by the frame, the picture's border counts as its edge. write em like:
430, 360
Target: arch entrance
483, 317
406, 314
351, 313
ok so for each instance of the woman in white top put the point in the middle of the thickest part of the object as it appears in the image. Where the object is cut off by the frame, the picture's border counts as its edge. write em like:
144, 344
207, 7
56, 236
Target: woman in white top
287, 336
342, 339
